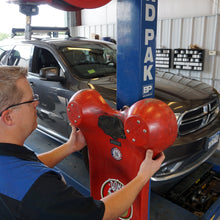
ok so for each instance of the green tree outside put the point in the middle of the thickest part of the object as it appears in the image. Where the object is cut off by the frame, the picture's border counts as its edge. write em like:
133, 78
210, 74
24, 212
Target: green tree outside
3, 36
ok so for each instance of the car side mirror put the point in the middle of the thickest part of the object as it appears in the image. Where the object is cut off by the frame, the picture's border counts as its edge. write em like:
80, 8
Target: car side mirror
51, 74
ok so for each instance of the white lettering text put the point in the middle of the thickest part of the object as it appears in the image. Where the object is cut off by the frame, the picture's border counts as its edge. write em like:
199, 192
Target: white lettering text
149, 8
148, 55
147, 73
149, 35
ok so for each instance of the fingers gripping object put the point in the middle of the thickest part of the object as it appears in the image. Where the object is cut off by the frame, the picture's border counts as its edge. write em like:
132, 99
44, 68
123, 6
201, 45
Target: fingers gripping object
117, 141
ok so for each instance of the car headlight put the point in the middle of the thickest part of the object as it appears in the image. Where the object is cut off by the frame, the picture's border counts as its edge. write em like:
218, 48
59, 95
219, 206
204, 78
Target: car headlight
168, 169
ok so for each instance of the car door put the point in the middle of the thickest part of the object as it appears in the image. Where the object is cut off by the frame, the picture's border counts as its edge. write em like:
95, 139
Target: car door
52, 117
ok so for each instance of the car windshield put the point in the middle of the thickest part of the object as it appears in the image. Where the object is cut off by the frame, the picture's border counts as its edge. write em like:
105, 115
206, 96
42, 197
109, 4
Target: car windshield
91, 60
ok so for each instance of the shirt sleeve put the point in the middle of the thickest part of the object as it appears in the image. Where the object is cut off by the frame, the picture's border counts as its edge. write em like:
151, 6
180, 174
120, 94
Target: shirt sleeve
50, 198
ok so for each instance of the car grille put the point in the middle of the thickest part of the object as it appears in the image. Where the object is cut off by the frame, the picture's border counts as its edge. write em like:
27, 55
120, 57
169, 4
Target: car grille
197, 118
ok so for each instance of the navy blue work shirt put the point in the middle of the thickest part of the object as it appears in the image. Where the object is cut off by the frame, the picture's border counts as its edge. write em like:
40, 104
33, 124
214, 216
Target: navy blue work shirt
30, 190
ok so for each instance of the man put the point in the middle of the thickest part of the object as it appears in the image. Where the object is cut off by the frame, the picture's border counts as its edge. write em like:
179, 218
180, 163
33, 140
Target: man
29, 187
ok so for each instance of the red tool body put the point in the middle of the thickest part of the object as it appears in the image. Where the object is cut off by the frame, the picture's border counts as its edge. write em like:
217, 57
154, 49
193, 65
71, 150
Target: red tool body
67, 5
117, 141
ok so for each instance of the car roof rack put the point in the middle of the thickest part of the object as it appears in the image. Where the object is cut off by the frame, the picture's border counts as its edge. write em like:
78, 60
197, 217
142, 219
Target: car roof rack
50, 31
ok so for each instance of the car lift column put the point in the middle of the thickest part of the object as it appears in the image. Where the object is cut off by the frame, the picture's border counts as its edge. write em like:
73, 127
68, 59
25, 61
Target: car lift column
136, 52
136, 30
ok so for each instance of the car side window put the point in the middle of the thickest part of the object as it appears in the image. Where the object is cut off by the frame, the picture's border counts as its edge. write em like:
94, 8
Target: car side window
14, 58
43, 58
4, 53
20, 56
1, 51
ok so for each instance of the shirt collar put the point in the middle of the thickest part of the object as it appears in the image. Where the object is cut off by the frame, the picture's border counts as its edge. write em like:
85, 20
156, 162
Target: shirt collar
7, 149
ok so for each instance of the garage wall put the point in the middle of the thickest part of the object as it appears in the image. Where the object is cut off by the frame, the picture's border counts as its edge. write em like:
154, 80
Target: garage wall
166, 9
187, 8
88, 31
203, 31
102, 15
101, 21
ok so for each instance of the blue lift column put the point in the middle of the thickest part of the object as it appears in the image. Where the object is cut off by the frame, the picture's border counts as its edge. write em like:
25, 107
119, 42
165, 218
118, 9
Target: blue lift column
136, 30
136, 52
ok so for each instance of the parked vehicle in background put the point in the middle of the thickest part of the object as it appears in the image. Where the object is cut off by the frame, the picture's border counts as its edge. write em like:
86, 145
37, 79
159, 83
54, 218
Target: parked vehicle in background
60, 67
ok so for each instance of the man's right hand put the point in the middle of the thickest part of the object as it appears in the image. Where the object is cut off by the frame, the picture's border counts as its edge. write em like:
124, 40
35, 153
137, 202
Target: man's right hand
150, 166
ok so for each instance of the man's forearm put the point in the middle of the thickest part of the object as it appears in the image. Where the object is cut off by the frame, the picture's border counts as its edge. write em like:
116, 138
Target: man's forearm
53, 157
117, 203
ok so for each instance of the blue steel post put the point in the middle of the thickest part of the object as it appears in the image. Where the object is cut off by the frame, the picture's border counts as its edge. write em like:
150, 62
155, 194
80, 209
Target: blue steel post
136, 52
136, 30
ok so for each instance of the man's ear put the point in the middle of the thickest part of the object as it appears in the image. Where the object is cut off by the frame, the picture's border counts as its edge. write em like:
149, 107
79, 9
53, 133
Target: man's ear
6, 117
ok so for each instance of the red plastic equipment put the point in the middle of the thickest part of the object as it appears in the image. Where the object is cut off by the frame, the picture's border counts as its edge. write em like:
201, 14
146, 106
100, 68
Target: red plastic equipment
117, 141
67, 5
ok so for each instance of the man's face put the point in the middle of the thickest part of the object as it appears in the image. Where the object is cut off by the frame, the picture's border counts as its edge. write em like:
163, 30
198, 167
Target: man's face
26, 114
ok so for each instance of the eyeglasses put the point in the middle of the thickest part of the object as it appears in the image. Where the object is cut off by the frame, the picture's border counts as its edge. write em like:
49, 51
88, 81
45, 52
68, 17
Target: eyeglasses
35, 99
